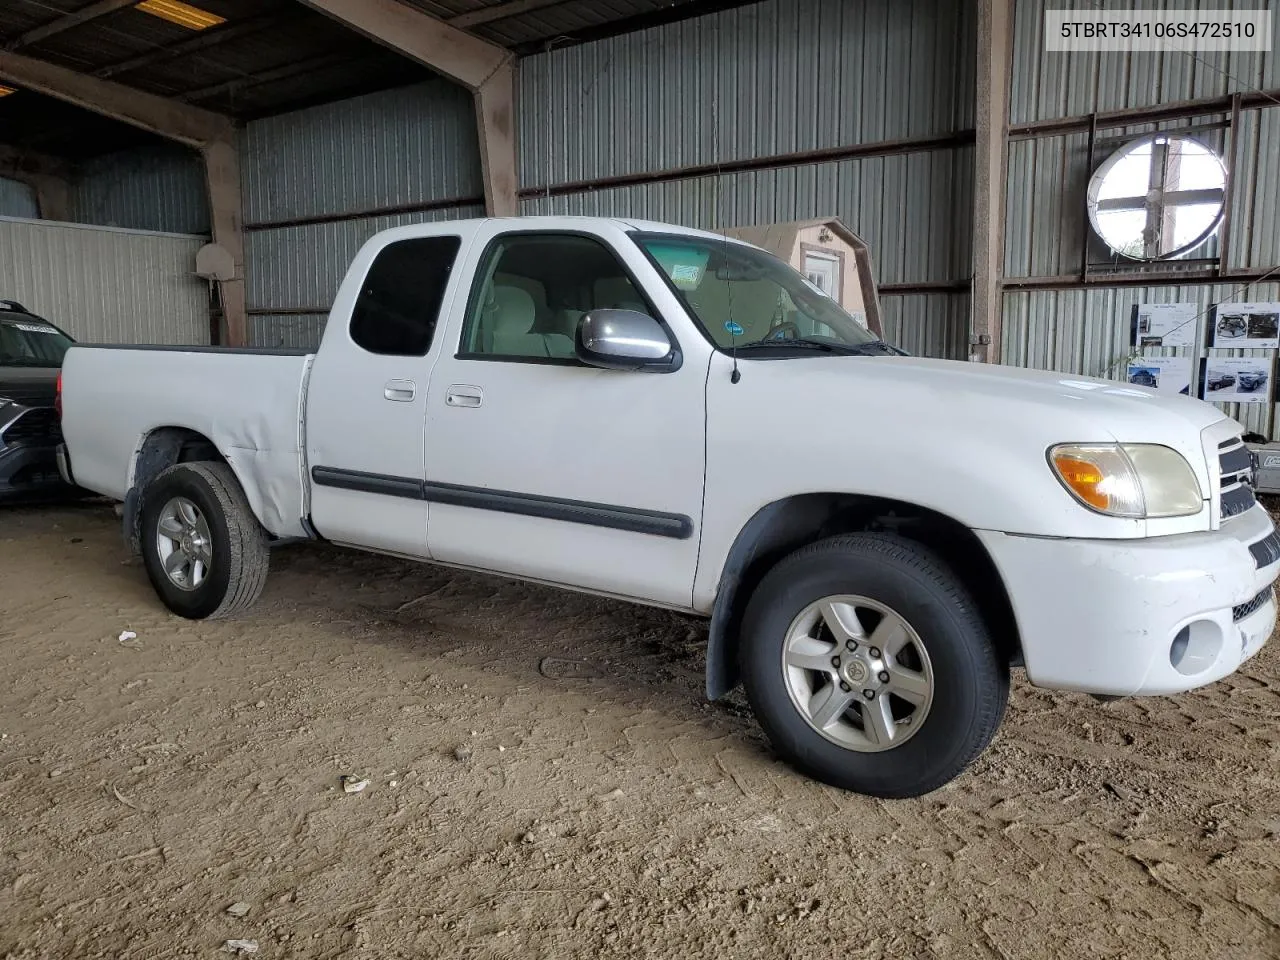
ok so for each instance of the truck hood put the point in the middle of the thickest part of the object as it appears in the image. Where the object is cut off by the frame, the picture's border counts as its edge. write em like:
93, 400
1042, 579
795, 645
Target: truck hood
1097, 409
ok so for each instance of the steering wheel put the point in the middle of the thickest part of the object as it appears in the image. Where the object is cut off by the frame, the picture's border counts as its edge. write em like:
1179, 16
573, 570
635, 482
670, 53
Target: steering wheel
778, 328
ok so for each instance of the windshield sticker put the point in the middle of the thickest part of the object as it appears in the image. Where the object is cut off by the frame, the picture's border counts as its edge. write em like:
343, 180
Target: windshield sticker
686, 274
685, 265
735, 329
33, 328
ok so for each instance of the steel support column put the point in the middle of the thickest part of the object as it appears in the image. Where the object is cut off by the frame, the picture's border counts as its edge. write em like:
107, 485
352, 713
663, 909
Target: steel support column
995, 52
484, 68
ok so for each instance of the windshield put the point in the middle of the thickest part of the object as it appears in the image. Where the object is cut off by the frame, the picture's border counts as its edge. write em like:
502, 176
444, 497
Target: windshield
30, 342
743, 296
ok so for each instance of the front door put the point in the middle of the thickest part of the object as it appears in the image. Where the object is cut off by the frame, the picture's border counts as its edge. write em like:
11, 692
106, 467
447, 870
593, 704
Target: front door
543, 467
367, 397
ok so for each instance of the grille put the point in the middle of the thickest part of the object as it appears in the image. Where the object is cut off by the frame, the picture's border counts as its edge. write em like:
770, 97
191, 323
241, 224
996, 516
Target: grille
1235, 464
1267, 550
1250, 606
41, 424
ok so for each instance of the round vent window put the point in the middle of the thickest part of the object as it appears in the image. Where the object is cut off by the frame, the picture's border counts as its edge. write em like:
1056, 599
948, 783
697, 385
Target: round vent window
1158, 197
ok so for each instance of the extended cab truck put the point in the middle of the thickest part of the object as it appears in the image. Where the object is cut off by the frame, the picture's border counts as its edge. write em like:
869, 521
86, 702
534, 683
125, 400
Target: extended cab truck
666, 416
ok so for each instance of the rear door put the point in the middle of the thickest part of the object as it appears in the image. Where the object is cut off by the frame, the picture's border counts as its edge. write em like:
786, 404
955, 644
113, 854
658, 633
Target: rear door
543, 467
367, 395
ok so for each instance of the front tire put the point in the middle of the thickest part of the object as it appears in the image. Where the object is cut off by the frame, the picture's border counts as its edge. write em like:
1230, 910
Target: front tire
204, 551
869, 667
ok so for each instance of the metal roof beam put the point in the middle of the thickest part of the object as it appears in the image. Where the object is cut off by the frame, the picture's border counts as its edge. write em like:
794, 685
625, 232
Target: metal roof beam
205, 40
484, 68
168, 118
267, 76
92, 12
419, 36
500, 11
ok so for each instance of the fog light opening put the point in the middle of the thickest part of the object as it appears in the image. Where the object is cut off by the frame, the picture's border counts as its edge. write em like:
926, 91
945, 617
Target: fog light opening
1196, 647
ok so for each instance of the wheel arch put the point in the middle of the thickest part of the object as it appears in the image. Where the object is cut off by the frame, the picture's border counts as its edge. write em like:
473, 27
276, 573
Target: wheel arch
779, 528
158, 450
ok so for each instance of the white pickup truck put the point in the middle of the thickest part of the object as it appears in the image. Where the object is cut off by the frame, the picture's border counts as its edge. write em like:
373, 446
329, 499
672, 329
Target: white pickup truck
671, 417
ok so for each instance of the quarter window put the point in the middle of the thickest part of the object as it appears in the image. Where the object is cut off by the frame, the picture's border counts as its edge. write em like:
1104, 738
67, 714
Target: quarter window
399, 305
531, 291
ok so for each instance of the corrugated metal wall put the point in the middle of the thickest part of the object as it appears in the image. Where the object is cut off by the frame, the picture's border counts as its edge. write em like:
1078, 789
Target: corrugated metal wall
300, 268
109, 286
766, 80
155, 188
17, 200
400, 147
770, 80
342, 164
1087, 331
1051, 85
904, 206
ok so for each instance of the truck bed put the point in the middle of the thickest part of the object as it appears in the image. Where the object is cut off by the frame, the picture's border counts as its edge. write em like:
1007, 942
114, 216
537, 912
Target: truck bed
248, 402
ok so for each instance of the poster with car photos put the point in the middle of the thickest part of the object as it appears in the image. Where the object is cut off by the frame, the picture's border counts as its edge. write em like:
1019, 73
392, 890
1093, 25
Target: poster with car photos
1237, 380
1166, 374
1165, 325
1247, 325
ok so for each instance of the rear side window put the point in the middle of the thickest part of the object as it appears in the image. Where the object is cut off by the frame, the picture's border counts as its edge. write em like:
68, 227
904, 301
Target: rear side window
399, 305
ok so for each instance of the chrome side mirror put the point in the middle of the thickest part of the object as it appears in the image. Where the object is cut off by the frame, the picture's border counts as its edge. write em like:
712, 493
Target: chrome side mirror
625, 340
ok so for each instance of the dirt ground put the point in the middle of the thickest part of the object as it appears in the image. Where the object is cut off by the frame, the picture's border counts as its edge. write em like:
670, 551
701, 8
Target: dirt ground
547, 781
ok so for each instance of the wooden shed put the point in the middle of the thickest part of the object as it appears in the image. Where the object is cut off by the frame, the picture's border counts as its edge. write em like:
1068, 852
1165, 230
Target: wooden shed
830, 255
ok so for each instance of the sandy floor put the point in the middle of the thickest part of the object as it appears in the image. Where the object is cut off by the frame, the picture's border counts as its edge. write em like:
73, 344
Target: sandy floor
600, 807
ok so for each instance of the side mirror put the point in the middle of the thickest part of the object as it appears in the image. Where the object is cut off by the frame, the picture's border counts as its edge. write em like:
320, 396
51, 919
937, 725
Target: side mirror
625, 340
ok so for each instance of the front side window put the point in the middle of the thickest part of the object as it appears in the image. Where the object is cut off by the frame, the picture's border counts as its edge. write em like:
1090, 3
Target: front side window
399, 304
30, 342
744, 297
531, 291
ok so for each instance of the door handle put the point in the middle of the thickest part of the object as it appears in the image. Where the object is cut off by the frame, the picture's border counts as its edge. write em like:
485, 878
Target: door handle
400, 390
464, 396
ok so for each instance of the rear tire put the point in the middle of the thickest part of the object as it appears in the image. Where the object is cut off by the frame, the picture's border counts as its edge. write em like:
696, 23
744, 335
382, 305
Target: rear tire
900, 694
204, 551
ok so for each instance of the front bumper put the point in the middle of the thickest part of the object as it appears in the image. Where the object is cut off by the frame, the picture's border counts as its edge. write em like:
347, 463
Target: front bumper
1137, 617
29, 471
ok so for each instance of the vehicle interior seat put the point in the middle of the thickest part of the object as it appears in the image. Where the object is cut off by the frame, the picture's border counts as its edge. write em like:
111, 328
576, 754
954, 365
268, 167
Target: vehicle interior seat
510, 319
510, 316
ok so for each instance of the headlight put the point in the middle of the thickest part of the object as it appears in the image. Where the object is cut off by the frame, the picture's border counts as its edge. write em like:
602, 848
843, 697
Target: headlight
1139, 480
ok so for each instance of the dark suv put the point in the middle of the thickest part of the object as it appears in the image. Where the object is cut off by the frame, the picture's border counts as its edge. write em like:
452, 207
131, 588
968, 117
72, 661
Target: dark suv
31, 352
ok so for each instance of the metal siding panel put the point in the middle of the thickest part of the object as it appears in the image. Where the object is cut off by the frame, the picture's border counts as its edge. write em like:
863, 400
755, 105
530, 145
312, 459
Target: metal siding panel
107, 286
287, 331
1256, 220
1088, 332
1050, 85
410, 145
301, 267
903, 206
155, 188
18, 200
758, 80
927, 325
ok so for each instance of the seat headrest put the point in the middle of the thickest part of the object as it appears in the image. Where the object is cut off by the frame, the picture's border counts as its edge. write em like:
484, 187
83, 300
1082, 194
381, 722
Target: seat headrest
512, 310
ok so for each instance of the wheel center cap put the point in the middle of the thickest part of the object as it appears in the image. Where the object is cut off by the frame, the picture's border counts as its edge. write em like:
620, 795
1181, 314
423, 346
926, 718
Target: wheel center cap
855, 670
